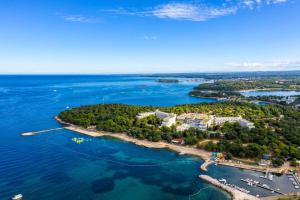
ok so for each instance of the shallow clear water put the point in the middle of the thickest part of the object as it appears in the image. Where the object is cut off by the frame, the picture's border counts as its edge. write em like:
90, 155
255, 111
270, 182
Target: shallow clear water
51, 166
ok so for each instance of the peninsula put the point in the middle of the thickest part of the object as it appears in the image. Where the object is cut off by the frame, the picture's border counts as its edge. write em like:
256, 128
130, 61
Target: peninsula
265, 136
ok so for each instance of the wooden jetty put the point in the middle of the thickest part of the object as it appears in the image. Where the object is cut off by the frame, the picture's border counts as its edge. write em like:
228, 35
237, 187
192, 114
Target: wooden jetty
42, 131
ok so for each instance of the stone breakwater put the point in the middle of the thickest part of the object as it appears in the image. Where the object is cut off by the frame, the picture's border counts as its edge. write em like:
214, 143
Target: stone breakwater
235, 194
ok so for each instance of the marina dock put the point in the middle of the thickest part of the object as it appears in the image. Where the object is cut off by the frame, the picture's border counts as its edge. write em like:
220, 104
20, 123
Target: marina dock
235, 193
257, 184
42, 131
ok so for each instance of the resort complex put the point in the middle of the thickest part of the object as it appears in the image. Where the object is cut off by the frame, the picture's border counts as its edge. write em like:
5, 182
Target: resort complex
194, 120
253, 133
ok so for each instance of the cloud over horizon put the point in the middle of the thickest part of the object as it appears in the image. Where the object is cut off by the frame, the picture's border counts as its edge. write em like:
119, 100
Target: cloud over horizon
269, 65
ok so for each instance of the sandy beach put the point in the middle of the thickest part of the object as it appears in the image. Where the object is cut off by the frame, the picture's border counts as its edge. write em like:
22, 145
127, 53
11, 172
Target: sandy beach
182, 150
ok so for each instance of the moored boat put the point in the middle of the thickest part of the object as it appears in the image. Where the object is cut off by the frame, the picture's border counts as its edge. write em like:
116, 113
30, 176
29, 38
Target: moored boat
17, 197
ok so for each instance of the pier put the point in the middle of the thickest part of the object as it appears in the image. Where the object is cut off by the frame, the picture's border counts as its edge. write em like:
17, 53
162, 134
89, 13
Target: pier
236, 194
251, 182
42, 131
204, 166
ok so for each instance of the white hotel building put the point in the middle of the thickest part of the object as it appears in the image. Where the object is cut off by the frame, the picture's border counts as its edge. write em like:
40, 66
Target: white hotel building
240, 120
169, 119
195, 120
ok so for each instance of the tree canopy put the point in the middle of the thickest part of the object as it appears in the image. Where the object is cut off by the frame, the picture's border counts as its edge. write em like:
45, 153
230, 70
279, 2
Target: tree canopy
276, 129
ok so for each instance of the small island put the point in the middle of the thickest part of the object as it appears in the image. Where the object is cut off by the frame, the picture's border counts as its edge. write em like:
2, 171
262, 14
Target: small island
168, 80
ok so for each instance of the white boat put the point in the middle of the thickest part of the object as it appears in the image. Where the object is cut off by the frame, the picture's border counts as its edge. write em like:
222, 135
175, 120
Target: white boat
270, 177
266, 186
17, 197
223, 180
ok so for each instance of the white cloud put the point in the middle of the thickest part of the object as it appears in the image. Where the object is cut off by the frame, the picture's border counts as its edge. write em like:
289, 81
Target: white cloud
149, 37
251, 4
276, 1
191, 12
78, 19
178, 11
195, 11
269, 65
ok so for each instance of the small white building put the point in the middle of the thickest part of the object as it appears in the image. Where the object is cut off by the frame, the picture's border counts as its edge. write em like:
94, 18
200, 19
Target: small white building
240, 120
168, 119
193, 120
246, 123
287, 99
145, 114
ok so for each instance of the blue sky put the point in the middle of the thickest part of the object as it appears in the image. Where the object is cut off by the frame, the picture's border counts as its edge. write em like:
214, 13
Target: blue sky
148, 36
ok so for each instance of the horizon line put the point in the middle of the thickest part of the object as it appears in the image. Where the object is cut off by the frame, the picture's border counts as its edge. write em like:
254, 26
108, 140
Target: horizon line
145, 73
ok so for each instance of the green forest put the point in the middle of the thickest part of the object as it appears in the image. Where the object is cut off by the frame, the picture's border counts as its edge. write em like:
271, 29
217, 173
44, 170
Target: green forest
248, 84
231, 88
276, 129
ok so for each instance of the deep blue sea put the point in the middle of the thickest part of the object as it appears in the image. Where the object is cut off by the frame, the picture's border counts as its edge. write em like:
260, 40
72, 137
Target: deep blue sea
51, 166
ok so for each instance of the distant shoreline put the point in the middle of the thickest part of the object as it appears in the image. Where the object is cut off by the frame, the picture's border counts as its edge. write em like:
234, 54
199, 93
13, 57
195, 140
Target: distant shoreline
269, 90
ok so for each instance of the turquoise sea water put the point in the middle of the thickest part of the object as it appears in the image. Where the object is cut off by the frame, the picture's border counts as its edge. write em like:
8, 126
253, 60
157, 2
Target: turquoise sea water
51, 166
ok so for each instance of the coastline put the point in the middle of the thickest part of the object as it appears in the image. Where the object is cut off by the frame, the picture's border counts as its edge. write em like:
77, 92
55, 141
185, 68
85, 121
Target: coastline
181, 150
268, 89
212, 98
248, 90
